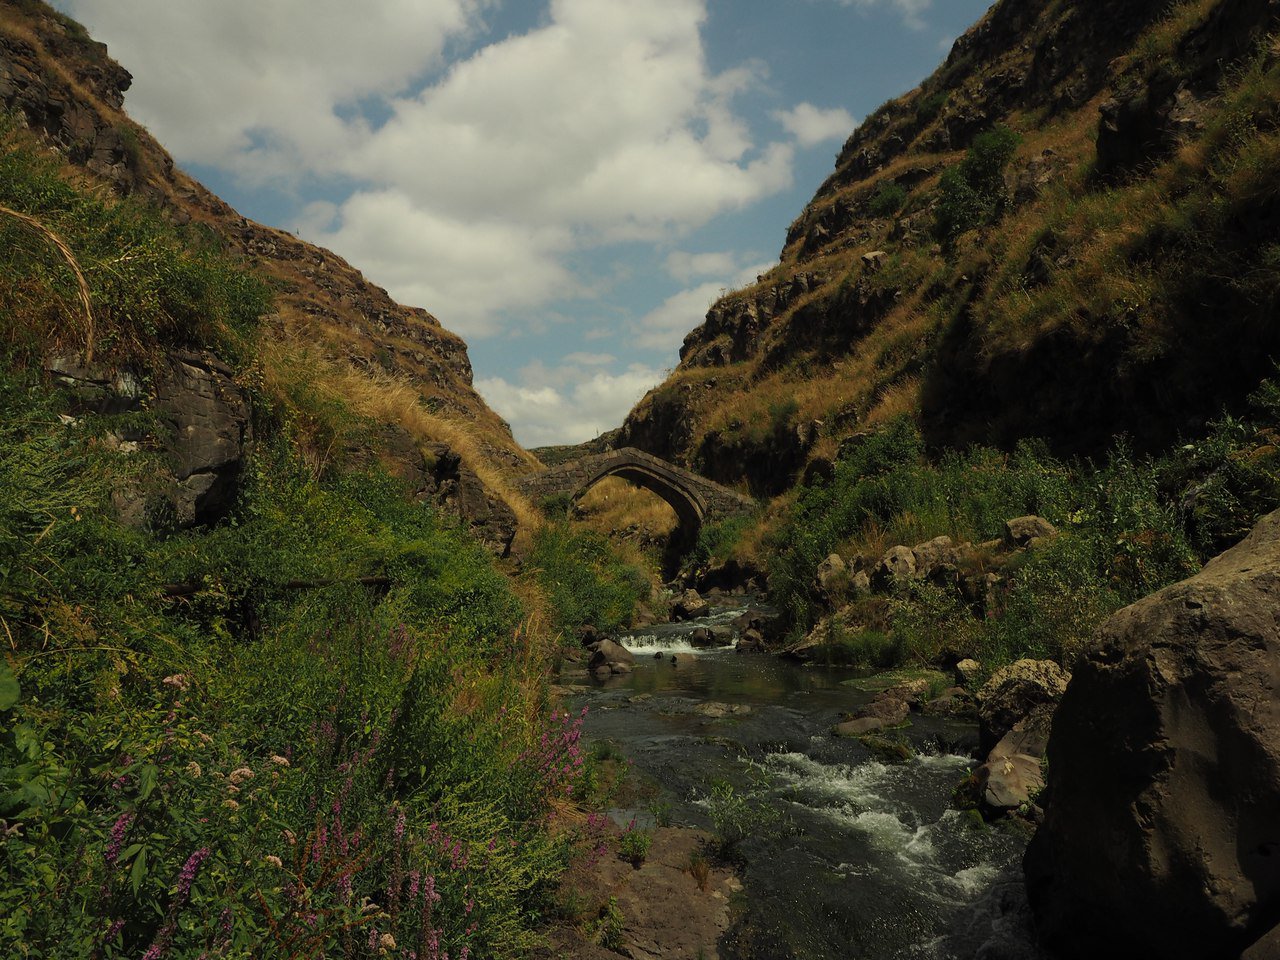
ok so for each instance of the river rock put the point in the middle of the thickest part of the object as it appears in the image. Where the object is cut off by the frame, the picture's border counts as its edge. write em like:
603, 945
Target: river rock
690, 606
859, 727
967, 671
701, 637
954, 702
1012, 693
1005, 783
751, 641
1162, 834
588, 635
608, 653
1020, 531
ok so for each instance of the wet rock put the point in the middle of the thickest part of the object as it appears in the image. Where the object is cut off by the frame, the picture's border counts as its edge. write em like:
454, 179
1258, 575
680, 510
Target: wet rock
607, 653
1006, 783
859, 727
690, 606
701, 637
1162, 831
1013, 692
1020, 531
718, 711
751, 641
588, 635
954, 702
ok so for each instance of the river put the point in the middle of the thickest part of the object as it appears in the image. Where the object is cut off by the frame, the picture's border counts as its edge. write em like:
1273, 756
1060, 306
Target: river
848, 856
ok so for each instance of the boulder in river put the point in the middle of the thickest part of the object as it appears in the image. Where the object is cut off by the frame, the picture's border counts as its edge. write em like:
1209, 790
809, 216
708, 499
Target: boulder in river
607, 653
1013, 692
1162, 832
690, 606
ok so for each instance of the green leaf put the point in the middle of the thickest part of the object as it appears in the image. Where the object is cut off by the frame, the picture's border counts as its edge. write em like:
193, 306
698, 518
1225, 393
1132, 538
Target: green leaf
147, 781
9, 690
139, 871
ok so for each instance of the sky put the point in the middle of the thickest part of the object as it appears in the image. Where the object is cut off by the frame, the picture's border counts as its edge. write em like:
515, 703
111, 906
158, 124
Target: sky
568, 184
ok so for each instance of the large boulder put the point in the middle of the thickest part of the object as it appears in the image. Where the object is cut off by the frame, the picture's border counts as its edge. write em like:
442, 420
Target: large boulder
1162, 836
1021, 531
690, 606
898, 564
612, 655
1013, 692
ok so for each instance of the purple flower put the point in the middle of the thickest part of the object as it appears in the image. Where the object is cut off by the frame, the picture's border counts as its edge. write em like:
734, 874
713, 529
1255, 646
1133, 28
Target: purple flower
188, 874
118, 831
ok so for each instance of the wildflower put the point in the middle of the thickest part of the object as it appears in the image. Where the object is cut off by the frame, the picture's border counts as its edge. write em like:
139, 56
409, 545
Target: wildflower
240, 775
387, 942
204, 737
189, 870
399, 827
118, 831
231, 804
193, 770
177, 680
273, 860
279, 761
113, 931
290, 837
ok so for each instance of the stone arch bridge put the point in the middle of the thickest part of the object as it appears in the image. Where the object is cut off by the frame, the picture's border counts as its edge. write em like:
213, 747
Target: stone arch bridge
695, 499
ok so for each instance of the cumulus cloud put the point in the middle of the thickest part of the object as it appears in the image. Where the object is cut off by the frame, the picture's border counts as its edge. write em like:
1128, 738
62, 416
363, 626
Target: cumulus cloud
475, 181
263, 86
812, 125
466, 271
567, 403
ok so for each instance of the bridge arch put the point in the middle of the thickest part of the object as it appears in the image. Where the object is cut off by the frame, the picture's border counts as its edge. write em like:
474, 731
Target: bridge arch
695, 499
689, 508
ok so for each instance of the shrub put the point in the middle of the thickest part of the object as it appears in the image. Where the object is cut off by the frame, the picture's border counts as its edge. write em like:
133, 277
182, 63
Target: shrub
973, 192
887, 201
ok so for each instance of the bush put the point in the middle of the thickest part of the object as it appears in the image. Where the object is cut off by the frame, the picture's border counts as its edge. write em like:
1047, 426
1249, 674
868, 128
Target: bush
973, 192
887, 201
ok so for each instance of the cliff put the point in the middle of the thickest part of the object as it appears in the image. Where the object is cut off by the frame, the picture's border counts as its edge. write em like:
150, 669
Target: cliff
376, 356
1068, 231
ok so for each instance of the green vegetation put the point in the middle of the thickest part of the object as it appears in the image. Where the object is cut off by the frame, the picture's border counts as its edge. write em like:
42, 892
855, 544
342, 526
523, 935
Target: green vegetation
1129, 526
973, 192
149, 282
887, 201
584, 579
633, 845
318, 728
252, 760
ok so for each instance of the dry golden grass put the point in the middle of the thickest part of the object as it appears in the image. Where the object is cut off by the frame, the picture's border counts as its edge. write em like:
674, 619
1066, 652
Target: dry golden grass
380, 397
82, 285
613, 505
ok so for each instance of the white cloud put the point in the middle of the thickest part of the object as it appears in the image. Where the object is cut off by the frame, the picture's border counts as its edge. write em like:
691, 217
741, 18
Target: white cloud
260, 86
812, 125
685, 266
912, 10
567, 404
665, 327
466, 271
481, 177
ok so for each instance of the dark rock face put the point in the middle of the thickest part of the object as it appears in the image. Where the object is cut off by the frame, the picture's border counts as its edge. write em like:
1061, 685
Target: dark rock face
1162, 836
203, 426
206, 431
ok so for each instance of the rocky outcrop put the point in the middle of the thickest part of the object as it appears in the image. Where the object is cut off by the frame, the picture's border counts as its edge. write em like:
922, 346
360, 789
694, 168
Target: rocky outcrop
1162, 835
202, 427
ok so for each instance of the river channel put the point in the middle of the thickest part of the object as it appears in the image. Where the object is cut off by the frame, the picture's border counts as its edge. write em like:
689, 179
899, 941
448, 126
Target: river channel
849, 856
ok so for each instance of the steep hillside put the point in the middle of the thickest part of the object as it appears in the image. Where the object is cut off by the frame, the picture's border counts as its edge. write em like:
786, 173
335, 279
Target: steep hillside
1070, 231
331, 334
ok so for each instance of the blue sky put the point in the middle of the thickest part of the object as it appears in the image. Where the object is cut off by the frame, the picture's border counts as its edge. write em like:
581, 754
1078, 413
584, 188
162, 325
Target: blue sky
568, 184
